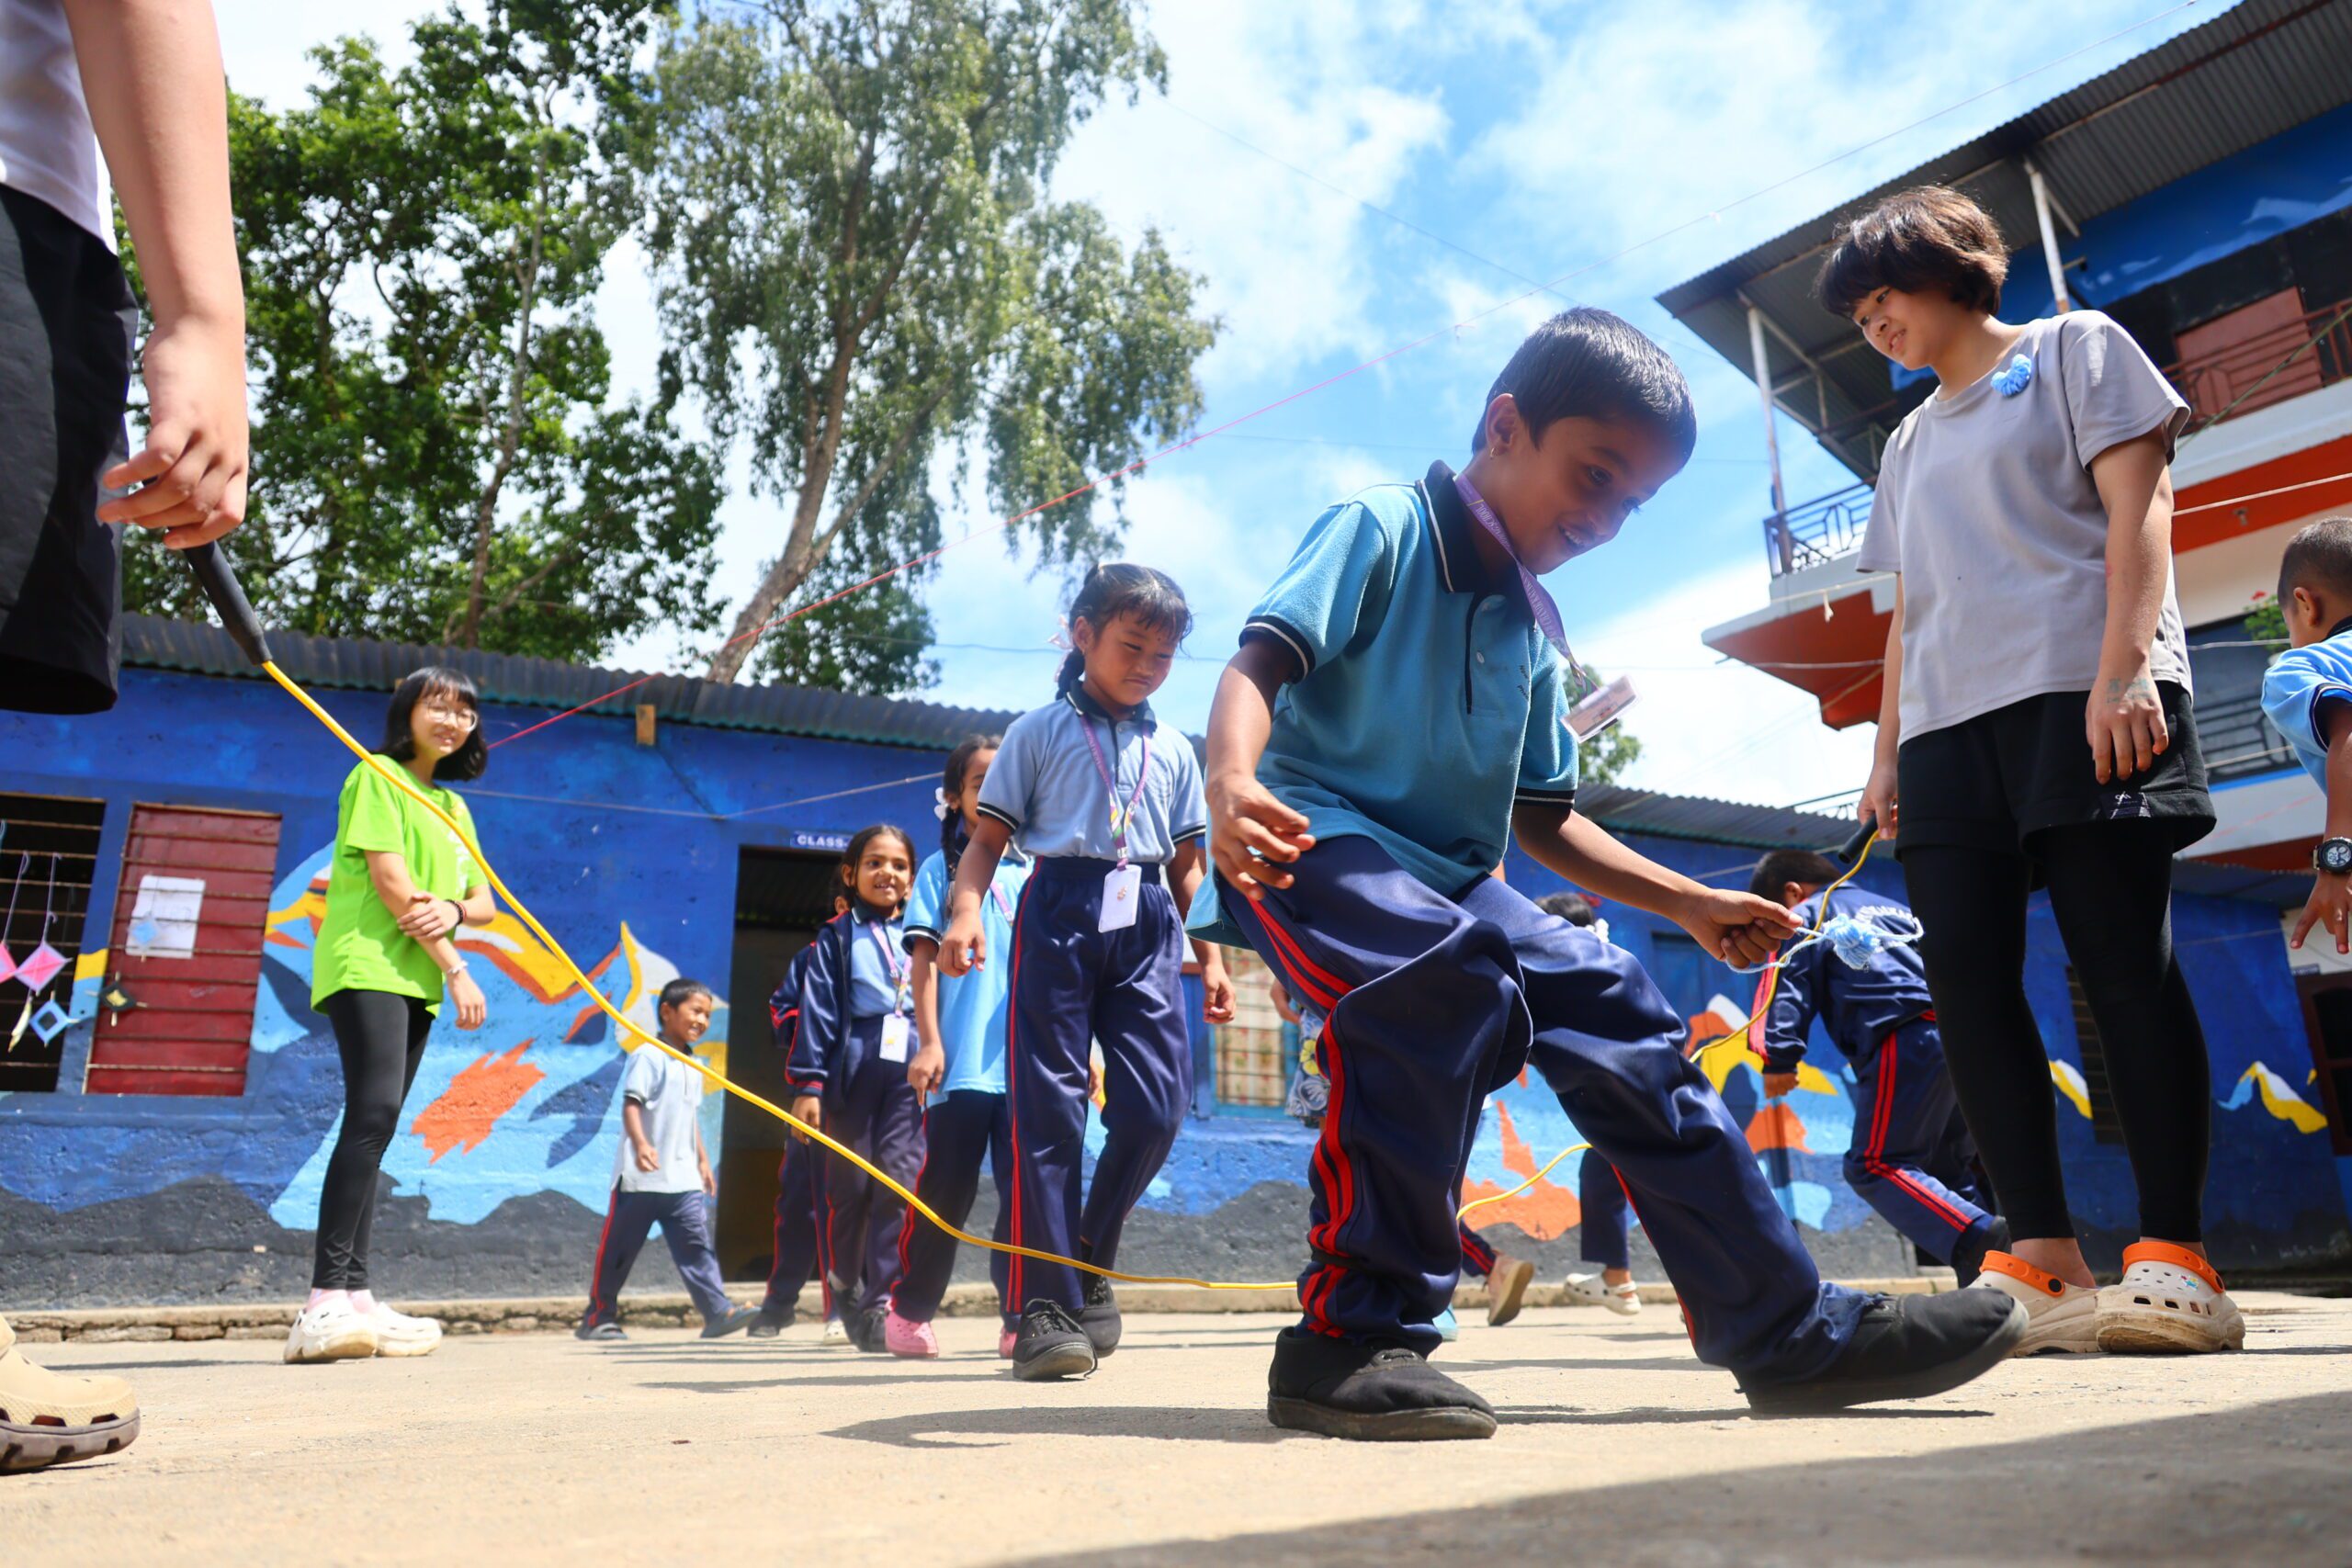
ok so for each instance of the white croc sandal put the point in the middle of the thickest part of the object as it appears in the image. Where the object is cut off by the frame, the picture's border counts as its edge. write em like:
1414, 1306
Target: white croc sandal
1591, 1289
2170, 1302
2060, 1317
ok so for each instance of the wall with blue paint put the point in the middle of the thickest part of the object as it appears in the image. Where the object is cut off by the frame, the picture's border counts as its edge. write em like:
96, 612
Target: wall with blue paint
497, 1177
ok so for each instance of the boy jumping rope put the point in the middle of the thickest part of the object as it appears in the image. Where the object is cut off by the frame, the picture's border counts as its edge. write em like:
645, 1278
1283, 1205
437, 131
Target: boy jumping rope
1398, 702
1911, 1157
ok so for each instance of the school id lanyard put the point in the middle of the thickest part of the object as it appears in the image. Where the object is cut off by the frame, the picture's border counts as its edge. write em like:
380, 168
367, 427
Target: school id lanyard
1539, 602
1121, 818
891, 966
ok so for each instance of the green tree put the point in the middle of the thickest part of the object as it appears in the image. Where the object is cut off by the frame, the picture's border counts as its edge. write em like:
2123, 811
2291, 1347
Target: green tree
1603, 758
863, 277
437, 454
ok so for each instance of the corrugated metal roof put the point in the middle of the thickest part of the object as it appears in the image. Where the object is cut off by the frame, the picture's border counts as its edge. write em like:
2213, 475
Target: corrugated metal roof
1622, 810
2259, 69
354, 663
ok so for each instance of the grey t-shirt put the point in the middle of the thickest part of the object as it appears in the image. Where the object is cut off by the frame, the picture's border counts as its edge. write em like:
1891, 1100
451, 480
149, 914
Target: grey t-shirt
1986, 505
669, 1094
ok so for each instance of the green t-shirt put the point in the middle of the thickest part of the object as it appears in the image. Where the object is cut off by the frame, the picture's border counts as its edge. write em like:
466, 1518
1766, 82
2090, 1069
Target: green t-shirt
361, 946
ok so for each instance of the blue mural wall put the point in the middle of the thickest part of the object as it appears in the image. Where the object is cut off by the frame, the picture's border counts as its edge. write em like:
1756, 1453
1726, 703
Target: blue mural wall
497, 1175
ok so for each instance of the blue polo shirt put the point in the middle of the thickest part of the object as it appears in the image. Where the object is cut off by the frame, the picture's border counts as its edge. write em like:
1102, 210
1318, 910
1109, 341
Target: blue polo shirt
873, 990
1430, 701
974, 1009
1044, 786
2304, 682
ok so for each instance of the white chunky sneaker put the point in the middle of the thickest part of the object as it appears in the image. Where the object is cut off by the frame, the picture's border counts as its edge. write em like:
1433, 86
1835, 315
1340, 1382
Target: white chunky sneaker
2170, 1302
1591, 1289
397, 1334
2060, 1317
332, 1331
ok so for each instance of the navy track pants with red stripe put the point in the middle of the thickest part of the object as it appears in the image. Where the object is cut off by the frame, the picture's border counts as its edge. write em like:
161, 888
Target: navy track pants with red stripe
1605, 1232
1911, 1154
959, 1129
1073, 984
1434, 1002
870, 1107
1478, 1257
800, 1233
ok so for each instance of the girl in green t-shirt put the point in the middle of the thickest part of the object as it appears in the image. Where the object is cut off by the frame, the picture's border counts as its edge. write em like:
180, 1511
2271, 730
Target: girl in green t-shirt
400, 883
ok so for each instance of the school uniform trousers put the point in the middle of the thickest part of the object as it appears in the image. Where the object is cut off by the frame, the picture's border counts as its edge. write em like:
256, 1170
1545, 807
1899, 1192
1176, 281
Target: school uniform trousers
1435, 1002
960, 1129
1073, 984
684, 1219
1604, 1233
869, 1107
1478, 1257
800, 1237
1911, 1159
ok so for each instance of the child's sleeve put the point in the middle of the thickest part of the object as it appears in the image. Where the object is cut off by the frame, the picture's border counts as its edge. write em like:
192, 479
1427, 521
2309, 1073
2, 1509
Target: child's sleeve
1547, 758
2114, 391
1778, 1033
1882, 536
783, 1004
1333, 591
1188, 807
820, 1015
2295, 692
373, 815
1004, 794
642, 1080
926, 903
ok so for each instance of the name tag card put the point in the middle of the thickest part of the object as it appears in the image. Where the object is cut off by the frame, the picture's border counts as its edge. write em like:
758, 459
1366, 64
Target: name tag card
895, 1031
1122, 890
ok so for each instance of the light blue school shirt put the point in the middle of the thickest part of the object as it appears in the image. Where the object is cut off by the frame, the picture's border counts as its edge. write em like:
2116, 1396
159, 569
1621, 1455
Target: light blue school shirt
872, 991
668, 1095
1431, 701
2303, 680
1044, 786
974, 1009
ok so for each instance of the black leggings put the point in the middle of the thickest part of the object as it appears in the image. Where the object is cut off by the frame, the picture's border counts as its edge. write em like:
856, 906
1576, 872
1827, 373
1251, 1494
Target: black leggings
2110, 890
380, 1037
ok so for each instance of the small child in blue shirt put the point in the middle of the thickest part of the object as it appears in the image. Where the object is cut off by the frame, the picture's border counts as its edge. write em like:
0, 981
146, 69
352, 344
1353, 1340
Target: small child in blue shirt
2308, 696
1396, 710
1102, 797
960, 1022
848, 1071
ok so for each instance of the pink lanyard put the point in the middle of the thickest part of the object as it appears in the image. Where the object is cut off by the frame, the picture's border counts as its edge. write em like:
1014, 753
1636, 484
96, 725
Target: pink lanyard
891, 967
1003, 907
1121, 820
1539, 602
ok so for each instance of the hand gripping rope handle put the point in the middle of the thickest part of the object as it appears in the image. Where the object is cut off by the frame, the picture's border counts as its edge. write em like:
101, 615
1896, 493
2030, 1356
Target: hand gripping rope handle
1853, 851
228, 598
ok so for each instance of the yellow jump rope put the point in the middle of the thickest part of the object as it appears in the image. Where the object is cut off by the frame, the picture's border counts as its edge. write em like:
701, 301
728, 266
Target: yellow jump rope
236, 614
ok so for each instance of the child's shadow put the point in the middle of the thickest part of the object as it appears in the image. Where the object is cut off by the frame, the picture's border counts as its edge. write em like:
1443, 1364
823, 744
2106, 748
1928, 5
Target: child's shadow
996, 1429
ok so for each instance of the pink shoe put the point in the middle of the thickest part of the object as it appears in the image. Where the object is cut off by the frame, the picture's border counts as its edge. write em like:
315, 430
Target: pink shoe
1004, 1344
915, 1341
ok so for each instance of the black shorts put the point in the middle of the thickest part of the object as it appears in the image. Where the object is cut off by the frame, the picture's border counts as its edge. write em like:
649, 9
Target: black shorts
1992, 782
67, 327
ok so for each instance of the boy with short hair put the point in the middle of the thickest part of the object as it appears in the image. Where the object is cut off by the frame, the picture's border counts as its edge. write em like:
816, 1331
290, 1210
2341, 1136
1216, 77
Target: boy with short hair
2308, 696
1396, 703
663, 1177
1911, 1156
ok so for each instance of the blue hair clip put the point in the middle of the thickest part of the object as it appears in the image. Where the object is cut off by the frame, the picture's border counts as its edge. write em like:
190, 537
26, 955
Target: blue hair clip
2014, 378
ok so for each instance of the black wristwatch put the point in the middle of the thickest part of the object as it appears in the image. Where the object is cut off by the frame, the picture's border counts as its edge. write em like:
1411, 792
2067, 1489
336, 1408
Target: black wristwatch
2333, 857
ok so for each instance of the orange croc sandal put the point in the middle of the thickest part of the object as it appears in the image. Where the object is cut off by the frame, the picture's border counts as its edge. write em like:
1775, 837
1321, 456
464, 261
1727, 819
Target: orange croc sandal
2170, 1302
2064, 1317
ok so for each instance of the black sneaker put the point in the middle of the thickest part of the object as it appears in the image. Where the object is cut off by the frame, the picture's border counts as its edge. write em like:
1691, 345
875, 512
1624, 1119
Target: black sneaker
1100, 1315
771, 1322
1050, 1345
1968, 1257
1905, 1348
733, 1320
1370, 1393
598, 1331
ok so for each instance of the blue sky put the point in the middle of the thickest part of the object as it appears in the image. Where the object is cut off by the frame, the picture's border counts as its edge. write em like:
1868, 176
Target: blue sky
1544, 136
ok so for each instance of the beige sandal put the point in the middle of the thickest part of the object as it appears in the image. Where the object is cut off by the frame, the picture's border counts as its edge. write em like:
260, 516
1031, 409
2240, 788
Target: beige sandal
49, 1418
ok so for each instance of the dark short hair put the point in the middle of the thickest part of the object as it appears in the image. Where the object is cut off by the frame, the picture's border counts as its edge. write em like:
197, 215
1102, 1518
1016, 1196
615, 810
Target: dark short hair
399, 739
1571, 907
1927, 238
1122, 587
1588, 364
2319, 556
1807, 868
681, 991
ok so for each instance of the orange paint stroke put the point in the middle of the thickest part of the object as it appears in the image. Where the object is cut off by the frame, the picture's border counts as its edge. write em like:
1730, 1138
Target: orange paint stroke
463, 1116
1777, 1127
1543, 1211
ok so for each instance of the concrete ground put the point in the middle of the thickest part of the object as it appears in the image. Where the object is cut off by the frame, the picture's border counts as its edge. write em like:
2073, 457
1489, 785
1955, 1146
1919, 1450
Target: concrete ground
1617, 1448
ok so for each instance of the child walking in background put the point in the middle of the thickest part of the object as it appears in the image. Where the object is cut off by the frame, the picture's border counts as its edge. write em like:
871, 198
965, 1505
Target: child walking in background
960, 1021
1396, 709
661, 1175
1096, 793
800, 1182
1605, 1219
2308, 696
1911, 1159
849, 1070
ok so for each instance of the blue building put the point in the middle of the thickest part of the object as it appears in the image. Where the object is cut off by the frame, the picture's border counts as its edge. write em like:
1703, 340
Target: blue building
167, 1097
